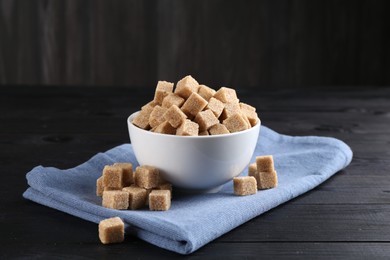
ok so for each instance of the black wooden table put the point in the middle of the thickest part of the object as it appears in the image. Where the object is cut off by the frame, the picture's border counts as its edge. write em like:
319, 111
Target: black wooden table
348, 216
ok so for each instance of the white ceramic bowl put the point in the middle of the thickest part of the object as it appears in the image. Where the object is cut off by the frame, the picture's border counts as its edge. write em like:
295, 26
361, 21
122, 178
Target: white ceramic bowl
194, 162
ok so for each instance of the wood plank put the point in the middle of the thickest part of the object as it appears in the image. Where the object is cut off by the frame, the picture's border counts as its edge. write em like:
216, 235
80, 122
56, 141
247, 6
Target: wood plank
78, 43
293, 222
314, 250
345, 217
288, 250
262, 44
332, 225
123, 45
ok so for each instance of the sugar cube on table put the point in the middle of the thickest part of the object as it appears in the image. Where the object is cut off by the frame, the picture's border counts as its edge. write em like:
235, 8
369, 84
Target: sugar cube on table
127, 171
245, 185
111, 230
267, 180
113, 176
266, 177
186, 86
163, 89
137, 196
188, 128
109, 188
252, 170
265, 163
115, 199
206, 92
193, 105
165, 186
99, 186
159, 200
147, 177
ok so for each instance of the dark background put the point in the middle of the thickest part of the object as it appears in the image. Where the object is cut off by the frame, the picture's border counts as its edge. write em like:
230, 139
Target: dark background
262, 44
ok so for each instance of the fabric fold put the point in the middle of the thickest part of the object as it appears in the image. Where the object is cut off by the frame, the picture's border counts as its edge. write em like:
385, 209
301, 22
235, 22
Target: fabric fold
302, 163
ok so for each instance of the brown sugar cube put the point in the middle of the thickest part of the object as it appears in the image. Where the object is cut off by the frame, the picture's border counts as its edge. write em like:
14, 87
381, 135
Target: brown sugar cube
267, 180
113, 176
165, 128
109, 188
204, 133
186, 86
165, 186
147, 177
115, 199
111, 230
248, 124
148, 191
247, 107
245, 185
142, 119
127, 171
206, 92
251, 116
175, 116
193, 105
265, 163
188, 128
153, 129
172, 99
230, 109
235, 123
157, 116
252, 170
226, 95
218, 129
205, 120
250, 113
160, 200
137, 196
216, 106
99, 186
149, 106
162, 90
161, 179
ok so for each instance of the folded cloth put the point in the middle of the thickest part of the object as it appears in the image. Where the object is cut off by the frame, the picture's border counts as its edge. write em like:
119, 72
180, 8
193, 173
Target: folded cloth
193, 220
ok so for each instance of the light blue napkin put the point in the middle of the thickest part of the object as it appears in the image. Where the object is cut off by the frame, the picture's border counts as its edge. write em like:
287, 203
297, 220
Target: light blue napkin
302, 163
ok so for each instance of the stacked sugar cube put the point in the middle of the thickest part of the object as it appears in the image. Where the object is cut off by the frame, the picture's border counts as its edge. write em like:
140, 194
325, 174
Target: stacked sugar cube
263, 171
192, 109
121, 188
261, 175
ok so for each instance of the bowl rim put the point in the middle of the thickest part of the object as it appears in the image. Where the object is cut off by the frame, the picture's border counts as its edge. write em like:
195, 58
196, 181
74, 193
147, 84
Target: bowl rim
130, 124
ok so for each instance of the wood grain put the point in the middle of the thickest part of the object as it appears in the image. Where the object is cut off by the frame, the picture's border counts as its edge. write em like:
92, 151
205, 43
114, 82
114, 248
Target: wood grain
345, 217
261, 44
